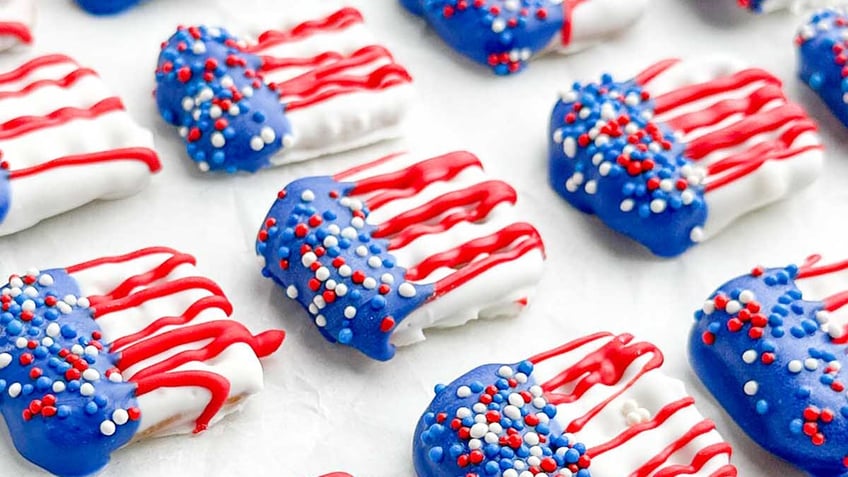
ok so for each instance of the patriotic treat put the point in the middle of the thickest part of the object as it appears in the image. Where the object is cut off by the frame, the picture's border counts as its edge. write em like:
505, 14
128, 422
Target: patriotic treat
823, 58
505, 34
16, 20
383, 251
676, 154
101, 354
107, 7
598, 406
65, 140
319, 86
766, 347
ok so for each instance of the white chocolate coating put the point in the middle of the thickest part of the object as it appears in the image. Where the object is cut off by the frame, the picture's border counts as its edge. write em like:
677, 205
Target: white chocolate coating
15, 14
596, 20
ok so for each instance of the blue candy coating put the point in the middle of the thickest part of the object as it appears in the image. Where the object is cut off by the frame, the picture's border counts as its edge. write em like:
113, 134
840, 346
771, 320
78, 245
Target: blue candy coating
598, 162
311, 199
772, 412
69, 443
476, 32
5, 194
437, 446
818, 62
107, 7
201, 68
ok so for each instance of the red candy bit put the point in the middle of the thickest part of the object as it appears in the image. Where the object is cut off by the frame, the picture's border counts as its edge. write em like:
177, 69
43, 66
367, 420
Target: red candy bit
811, 413
221, 124
194, 134
720, 302
838, 387
441, 417
184, 74
26, 359
826, 416
329, 296
134, 413
387, 324
384, 289
262, 236
541, 14
315, 221
27, 315
301, 230
476, 456
448, 11
531, 420
284, 264
708, 338
358, 277
72, 374
767, 358
462, 461
35, 373
314, 284
48, 411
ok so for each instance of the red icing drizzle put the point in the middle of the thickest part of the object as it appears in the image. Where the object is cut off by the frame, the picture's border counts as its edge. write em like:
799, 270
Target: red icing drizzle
339, 20
32, 65
835, 301
469, 205
27, 124
65, 82
607, 366
17, 30
506, 245
757, 120
347, 174
214, 336
655, 70
147, 156
568, 19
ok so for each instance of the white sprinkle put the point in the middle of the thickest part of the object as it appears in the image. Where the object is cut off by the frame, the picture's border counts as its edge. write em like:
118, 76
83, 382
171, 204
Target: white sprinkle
474, 444
87, 389
369, 283
498, 25
83, 302
47, 341
107, 428
321, 321
709, 307
749, 356
747, 296
375, 262
463, 392
322, 274
330, 241
512, 412
188, 104
822, 317
116, 377
288, 140
516, 400
687, 196
569, 147
733, 307
591, 187
657, 206
341, 289
406, 290
795, 366
91, 351
291, 292
14, 390
345, 271
70, 299
90, 374
697, 234
308, 259
217, 140
307, 196
811, 363
21, 342
626, 205
362, 250
505, 372
349, 233
203, 166
605, 168
357, 222
256, 143
77, 350
751, 388
350, 312
463, 412
45, 280
120, 416
198, 48
628, 406
387, 278
215, 112
5, 359
268, 135
58, 387
479, 429
531, 438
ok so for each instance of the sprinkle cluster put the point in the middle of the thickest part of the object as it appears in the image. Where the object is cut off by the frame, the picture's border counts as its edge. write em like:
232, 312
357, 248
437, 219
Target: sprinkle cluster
505, 427
609, 157
512, 30
318, 246
823, 44
229, 117
787, 370
755, 6
54, 367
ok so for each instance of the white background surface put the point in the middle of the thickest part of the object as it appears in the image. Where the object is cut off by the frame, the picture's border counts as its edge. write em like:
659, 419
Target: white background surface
326, 407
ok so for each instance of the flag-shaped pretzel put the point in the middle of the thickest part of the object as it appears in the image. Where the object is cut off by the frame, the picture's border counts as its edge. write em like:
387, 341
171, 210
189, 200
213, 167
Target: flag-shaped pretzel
505, 34
319, 86
597, 406
380, 252
97, 355
65, 140
676, 154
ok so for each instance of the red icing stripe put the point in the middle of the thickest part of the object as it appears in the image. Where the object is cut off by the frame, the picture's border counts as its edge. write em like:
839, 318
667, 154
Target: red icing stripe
337, 21
413, 179
328, 59
688, 94
652, 465
663, 415
504, 246
66, 81
17, 30
655, 70
568, 19
702, 457
347, 174
120, 258
27, 124
127, 286
722, 110
472, 204
147, 156
315, 90
101, 306
27, 68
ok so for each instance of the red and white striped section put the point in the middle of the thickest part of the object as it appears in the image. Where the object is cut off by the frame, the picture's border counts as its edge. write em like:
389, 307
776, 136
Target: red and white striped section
451, 225
753, 145
340, 88
66, 141
191, 363
634, 420
16, 20
588, 22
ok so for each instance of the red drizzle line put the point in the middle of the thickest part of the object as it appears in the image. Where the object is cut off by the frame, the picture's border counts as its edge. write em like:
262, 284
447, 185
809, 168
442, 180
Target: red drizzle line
413, 179
655, 70
663, 415
722, 110
328, 81
17, 30
568, 19
700, 460
339, 20
330, 60
474, 203
606, 366
216, 301
120, 258
147, 156
131, 283
835, 301
648, 469
66, 81
503, 246
679, 97
32, 65
103, 306
27, 124
223, 334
